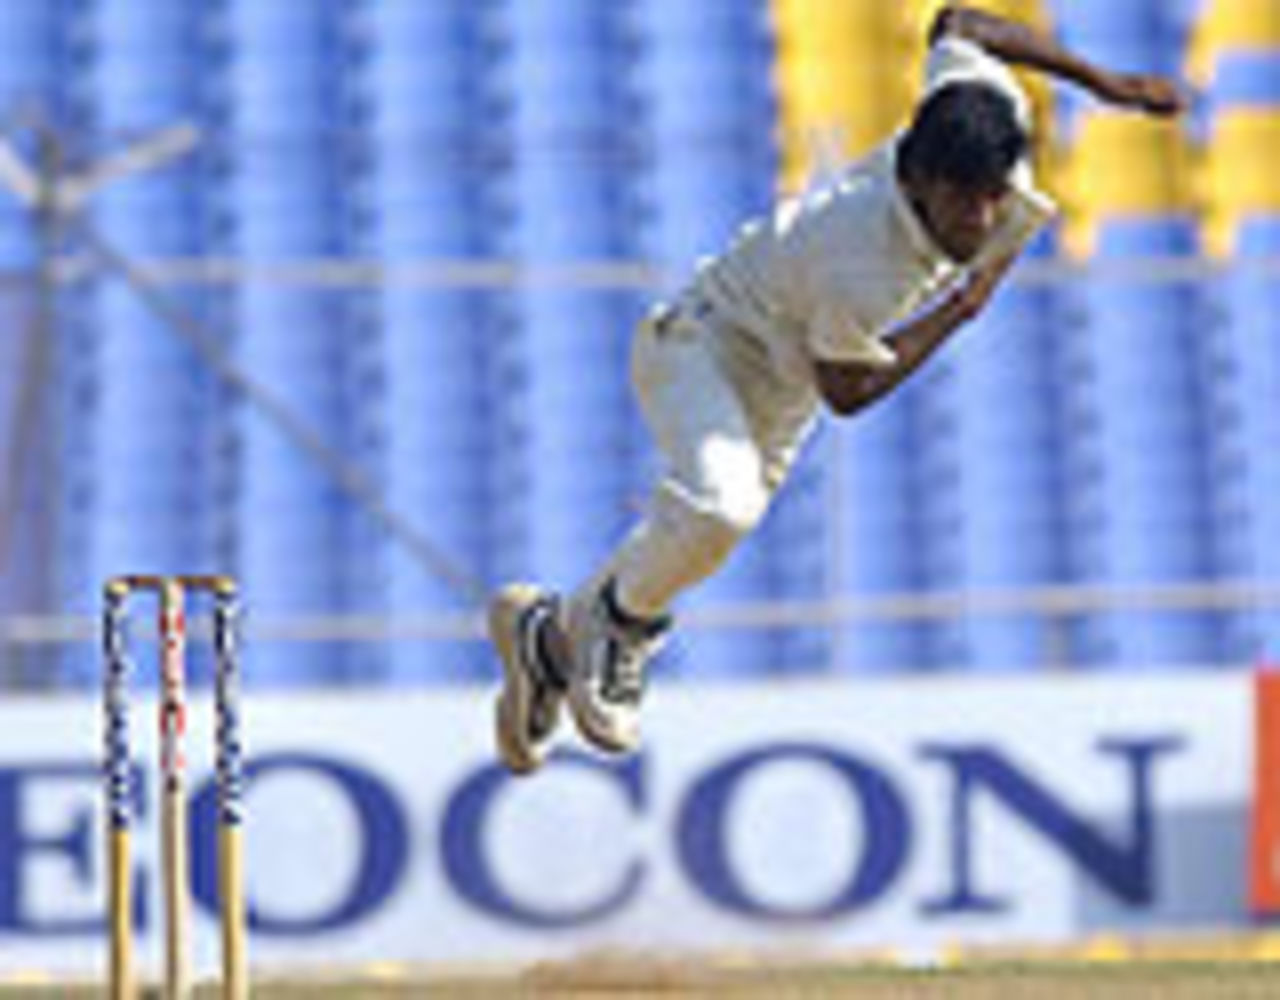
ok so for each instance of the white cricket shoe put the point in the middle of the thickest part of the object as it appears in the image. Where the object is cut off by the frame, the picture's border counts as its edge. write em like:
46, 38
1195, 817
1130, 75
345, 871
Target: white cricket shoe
528, 707
610, 654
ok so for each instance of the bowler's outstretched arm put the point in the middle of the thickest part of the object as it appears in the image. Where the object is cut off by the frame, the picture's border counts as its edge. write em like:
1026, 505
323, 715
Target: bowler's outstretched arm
1022, 45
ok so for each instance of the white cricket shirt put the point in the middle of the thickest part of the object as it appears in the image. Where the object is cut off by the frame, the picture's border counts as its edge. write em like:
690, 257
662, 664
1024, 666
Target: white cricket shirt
831, 272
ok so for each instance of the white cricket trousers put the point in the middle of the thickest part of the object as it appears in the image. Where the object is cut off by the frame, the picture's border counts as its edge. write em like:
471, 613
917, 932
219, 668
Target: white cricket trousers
728, 430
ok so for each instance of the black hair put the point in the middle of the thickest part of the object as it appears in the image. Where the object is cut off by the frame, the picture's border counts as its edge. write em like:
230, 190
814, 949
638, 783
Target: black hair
966, 133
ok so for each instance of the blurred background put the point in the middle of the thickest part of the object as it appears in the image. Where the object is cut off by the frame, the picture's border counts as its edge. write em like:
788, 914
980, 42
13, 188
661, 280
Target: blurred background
335, 296
357, 335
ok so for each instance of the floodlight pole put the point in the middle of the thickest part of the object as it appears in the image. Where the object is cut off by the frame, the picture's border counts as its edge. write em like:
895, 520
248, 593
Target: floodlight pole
52, 194
63, 193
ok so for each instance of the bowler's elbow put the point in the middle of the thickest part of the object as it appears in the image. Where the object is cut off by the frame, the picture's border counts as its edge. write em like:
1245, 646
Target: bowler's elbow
952, 19
845, 387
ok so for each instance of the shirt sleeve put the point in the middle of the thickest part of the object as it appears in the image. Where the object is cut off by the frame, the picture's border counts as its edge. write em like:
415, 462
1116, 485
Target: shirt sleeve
957, 60
836, 334
1028, 211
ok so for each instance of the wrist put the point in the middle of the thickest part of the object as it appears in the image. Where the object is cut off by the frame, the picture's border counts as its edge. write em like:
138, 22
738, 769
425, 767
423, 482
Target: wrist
1105, 85
955, 311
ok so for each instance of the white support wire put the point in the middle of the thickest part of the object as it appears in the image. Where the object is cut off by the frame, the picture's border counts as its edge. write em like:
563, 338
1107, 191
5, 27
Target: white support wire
153, 278
597, 275
1051, 603
346, 476
60, 195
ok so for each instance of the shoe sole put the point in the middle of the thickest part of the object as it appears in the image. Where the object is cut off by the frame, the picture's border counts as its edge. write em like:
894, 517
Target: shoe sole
600, 741
604, 744
584, 722
508, 606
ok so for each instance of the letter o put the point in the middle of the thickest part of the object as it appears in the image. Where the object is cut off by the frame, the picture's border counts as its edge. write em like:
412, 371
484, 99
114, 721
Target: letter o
384, 841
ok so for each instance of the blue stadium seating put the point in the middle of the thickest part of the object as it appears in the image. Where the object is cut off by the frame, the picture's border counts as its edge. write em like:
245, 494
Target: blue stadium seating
428, 67
1133, 442
702, 78
1244, 77
30, 63
286, 77
152, 507
147, 56
1242, 91
19, 241
796, 539
1241, 99
34, 57
990, 482
879, 534
566, 419
1134, 436
43, 71
1136, 35
1245, 380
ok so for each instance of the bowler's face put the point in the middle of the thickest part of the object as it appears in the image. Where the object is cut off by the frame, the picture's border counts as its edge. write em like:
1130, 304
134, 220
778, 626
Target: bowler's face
960, 219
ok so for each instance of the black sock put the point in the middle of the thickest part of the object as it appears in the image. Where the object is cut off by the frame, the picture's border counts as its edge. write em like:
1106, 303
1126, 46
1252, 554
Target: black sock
625, 619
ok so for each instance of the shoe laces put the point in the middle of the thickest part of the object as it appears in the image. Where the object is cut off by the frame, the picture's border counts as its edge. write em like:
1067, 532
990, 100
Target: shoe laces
629, 648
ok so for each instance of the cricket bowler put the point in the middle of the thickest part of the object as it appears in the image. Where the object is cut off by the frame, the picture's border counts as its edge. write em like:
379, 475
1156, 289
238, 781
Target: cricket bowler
830, 302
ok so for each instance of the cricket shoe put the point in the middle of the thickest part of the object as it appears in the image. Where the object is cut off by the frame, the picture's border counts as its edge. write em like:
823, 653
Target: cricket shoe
533, 686
610, 653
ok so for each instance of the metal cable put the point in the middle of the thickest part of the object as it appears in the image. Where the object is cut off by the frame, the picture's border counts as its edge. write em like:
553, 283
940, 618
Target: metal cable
353, 483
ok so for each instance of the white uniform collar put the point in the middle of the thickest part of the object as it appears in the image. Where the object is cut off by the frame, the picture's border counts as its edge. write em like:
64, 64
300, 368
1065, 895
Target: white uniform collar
921, 241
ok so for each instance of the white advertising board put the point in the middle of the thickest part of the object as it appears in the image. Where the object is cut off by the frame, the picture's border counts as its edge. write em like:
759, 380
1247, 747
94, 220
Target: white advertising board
813, 816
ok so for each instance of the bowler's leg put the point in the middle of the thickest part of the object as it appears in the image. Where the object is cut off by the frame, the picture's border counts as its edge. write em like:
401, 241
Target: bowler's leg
714, 494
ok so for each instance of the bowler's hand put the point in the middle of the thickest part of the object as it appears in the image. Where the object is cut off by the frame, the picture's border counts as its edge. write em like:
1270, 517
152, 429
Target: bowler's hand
968, 301
1155, 95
